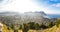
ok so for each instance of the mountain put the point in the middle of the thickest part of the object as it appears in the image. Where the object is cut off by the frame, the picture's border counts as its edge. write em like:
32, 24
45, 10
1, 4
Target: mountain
19, 18
8, 13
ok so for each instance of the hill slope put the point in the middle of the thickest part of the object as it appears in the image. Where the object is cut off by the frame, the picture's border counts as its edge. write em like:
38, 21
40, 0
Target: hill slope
16, 18
53, 29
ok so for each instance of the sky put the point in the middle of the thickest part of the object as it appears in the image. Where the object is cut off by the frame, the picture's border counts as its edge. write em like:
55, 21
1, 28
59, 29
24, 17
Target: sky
48, 6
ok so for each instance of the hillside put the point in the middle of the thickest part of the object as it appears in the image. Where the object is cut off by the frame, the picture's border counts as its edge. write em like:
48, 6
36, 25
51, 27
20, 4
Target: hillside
25, 21
19, 18
53, 29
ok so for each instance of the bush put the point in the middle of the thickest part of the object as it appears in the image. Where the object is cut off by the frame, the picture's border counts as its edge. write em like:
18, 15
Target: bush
43, 26
25, 28
57, 22
50, 25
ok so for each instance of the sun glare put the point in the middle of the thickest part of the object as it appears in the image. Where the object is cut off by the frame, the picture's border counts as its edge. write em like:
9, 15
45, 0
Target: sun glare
20, 6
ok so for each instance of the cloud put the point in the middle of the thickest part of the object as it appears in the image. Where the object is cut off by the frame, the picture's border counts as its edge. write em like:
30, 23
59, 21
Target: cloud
4, 2
48, 6
21, 6
56, 5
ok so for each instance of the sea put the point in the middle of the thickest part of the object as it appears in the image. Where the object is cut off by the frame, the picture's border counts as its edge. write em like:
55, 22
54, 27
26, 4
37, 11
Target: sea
53, 15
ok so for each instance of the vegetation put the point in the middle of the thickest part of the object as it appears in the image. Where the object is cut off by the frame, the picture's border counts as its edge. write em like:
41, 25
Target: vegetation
58, 22
25, 27
51, 24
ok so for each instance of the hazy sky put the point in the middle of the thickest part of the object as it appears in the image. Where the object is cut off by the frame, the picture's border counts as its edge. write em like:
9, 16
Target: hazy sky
48, 6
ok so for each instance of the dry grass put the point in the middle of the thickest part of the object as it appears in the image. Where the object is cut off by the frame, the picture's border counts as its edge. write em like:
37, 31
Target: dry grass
53, 29
4, 29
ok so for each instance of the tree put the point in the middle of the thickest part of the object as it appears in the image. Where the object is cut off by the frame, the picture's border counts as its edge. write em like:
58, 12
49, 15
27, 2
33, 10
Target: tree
31, 25
43, 26
36, 26
25, 28
10, 26
20, 26
50, 25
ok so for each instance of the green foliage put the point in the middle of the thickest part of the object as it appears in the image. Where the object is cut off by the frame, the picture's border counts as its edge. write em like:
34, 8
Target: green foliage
11, 21
31, 25
36, 26
57, 22
50, 25
43, 26
25, 28
20, 26
14, 27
